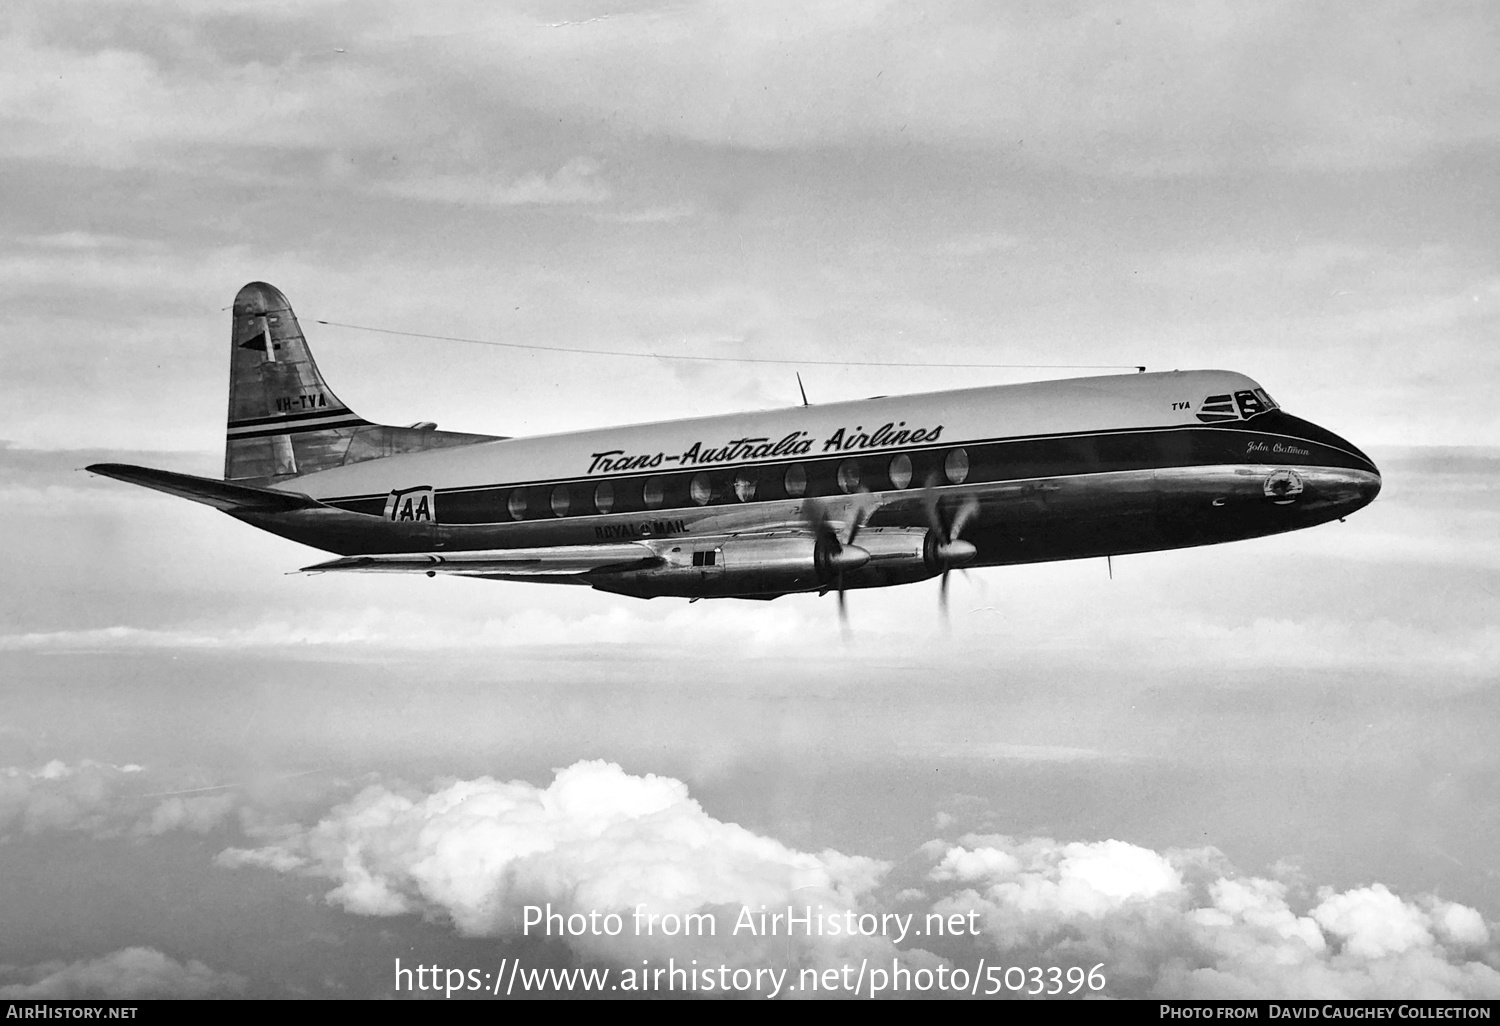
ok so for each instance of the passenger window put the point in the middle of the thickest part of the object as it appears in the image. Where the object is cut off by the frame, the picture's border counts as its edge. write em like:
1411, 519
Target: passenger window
796, 481
654, 494
604, 497
560, 500
517, 505
956, 467
900, 470
849, 476
701, 489
744, 485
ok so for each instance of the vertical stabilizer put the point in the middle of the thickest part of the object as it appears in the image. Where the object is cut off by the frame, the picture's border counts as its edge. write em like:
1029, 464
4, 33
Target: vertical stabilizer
280, 407
284, 420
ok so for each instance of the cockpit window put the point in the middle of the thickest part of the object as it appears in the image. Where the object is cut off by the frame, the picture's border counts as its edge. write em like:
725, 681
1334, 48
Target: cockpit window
1216, 408
1249, 403
1240, 405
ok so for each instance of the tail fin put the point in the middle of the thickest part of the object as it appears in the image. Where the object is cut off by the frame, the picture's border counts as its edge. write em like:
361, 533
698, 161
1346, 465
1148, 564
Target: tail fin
284, 420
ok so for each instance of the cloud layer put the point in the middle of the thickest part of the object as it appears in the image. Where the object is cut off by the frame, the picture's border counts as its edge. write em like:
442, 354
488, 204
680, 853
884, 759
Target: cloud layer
1166, 92
1180, 923
105, 800
596, 839
127, 974
1184, 923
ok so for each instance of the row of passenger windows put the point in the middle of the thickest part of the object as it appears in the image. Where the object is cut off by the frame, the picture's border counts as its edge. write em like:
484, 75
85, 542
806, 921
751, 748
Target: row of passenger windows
705, 487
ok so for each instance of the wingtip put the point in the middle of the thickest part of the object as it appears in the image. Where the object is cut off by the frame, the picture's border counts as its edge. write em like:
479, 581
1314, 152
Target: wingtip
342, 563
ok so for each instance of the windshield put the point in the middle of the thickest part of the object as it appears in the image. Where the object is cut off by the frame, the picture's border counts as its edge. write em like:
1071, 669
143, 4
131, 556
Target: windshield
1241, 405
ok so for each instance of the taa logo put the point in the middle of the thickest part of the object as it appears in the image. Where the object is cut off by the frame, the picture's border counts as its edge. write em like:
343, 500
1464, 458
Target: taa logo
1284, 486
411, 504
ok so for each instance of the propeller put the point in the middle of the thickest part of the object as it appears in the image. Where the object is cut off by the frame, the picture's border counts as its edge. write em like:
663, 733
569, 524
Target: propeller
836, 555
949, 549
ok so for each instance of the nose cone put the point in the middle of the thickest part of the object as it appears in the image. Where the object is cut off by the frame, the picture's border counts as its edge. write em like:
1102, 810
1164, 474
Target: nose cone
1369, 487
1341, 491
1357, 476
1342, 478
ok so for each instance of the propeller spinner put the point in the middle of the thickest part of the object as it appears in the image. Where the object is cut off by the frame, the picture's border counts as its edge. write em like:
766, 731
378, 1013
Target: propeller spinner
837, 555
948, 549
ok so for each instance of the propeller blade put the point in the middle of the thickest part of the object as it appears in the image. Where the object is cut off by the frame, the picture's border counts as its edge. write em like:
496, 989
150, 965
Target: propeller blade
951, 550
861, 517
965, 513
816, 515
838, 555
930, 504
943, 602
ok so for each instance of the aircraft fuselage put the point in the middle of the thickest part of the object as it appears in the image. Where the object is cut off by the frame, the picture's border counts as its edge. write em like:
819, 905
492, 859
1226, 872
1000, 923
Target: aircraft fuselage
1055, 470
755, 505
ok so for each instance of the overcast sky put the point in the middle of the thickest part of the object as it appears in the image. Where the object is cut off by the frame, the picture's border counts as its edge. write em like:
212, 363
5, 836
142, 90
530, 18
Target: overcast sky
1259, 769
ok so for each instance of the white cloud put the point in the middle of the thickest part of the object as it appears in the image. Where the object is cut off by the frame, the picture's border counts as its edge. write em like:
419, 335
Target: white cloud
1178, 923
105, 800
1151, 92
577, 181
661, 214
1372, 922
974, 749
129, 973
1032, 884
199, 814
761, 628
596, 839
1143, 92
121, 107
1184, 924
1458, 925
1133, 632
89, 796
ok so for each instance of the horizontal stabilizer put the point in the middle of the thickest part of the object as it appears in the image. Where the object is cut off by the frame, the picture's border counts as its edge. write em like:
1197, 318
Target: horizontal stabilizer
224, 495
539, 562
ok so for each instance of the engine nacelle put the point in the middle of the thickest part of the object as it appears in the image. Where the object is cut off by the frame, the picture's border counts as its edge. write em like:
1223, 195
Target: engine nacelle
764, 566
898, 555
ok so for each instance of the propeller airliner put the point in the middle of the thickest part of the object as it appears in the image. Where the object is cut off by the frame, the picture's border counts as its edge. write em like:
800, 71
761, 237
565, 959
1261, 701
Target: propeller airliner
823, 498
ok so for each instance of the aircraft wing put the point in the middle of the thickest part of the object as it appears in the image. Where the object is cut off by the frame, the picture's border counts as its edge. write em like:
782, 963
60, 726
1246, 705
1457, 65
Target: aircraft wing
544, 561
224, 495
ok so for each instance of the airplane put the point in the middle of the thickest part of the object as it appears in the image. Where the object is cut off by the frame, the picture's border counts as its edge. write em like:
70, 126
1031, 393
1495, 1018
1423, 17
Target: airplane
815, 498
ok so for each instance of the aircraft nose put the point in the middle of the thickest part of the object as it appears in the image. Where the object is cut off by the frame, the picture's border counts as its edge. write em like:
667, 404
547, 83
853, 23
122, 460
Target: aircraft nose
1341, 478
1351, 490
1355, 483
1361, 482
